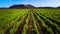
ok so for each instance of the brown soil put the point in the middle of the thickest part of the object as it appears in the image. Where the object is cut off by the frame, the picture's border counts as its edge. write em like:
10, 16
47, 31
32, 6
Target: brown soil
38, 24
7, 31
30, 29
20, 29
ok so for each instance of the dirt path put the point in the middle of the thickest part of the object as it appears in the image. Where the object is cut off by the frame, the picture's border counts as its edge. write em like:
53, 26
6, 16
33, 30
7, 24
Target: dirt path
30, 26
38, 24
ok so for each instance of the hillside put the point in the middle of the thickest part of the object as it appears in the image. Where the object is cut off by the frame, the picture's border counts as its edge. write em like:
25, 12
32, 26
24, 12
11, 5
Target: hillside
21, 6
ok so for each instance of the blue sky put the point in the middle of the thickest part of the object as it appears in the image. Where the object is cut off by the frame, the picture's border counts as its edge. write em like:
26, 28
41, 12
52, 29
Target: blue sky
37, 3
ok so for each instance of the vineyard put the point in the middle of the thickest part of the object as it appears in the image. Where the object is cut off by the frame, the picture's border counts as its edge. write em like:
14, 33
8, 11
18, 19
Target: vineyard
29, 21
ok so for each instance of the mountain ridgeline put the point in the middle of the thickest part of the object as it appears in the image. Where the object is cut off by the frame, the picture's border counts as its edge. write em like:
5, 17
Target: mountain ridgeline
21, 6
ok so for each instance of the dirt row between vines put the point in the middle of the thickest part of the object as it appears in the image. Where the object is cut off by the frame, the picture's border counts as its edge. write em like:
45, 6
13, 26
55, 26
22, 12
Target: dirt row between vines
20, 28
30, 29
38, 24
30, 26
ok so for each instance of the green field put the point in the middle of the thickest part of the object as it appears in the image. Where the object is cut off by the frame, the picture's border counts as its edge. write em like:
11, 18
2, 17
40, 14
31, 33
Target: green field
30, 21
